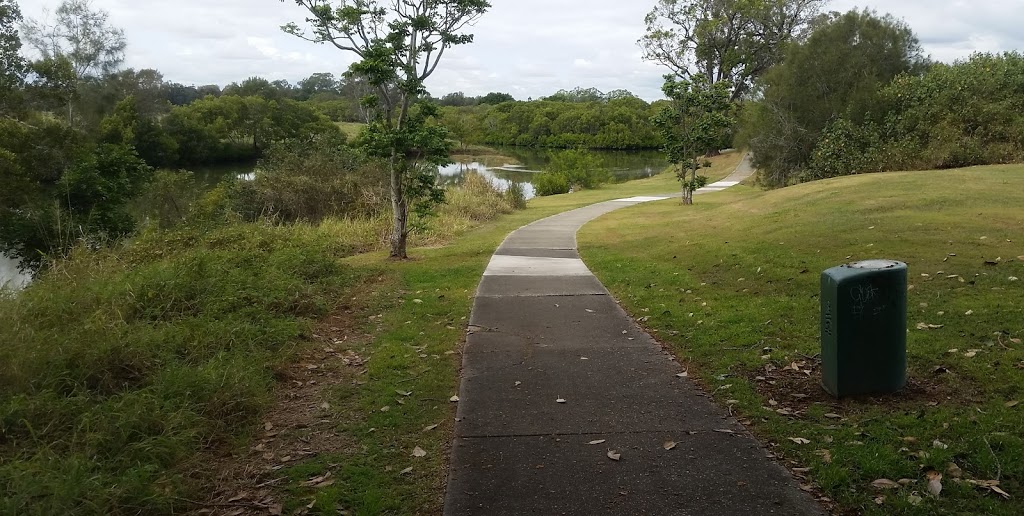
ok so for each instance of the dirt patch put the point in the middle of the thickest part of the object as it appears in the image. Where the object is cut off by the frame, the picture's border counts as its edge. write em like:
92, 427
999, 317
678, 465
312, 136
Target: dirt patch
795, 386
300, 426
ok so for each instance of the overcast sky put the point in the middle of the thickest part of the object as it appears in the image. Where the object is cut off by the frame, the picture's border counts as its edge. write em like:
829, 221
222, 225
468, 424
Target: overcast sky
529, 48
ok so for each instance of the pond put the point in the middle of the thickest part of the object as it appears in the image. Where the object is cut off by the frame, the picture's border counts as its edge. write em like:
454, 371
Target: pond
11, 277
624, 166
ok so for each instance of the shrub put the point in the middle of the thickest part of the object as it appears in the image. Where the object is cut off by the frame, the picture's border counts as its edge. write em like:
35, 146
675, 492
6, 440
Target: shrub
310, 180
550, 183
515, 195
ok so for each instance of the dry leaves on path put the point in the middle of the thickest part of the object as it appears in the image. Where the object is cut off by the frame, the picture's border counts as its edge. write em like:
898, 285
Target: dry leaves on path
614, 455
669, 445
419, 452
800, 440
597, 441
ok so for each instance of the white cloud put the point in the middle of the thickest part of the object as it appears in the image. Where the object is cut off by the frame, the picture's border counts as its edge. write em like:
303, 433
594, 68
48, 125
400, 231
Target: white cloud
529, 48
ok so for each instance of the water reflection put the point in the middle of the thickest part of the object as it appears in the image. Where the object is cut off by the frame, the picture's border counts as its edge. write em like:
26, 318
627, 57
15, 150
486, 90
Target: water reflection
11, 277
454, 174
623, 165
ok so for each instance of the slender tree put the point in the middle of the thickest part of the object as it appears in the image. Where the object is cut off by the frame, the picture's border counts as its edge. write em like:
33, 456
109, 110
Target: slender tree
80, 36
691, 125
724, 40
398, 44
12, 65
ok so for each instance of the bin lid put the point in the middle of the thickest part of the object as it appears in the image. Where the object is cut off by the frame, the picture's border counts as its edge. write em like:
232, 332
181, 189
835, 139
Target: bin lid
875, 264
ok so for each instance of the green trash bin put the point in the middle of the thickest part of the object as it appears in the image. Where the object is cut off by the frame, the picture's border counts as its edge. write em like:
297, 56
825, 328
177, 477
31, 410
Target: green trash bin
864, 328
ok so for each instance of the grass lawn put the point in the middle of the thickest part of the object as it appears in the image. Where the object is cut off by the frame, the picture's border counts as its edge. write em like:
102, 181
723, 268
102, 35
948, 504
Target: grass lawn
731, 285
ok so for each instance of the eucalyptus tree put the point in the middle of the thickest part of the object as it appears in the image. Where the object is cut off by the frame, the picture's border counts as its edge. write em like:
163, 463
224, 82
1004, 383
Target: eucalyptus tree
397, 44
724, 40
80, 38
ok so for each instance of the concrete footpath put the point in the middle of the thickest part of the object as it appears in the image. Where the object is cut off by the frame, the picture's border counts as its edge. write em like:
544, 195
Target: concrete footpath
557, 379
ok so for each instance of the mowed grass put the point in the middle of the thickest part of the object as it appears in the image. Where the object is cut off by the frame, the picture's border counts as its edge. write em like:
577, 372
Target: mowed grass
731, 285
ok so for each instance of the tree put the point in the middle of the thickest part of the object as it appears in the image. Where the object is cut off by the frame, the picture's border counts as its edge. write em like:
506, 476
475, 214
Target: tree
836, 73
318, 84
724, 40
398, 44
691, 125
82, 37
495, 98
12, 66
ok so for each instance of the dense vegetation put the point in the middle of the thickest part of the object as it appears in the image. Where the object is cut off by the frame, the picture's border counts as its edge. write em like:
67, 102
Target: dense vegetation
568, 119
857, 96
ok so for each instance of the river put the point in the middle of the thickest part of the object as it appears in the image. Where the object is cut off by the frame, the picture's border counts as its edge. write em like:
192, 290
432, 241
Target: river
624, 165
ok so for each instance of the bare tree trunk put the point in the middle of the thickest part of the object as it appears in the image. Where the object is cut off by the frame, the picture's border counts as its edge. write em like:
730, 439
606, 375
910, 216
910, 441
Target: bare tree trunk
400, 212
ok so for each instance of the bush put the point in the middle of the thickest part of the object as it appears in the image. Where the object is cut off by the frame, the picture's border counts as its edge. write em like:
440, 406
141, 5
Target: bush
310, 180
515, 195
550, 183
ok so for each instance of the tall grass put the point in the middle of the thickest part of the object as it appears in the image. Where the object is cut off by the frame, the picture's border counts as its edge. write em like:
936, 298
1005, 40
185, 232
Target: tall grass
121, 370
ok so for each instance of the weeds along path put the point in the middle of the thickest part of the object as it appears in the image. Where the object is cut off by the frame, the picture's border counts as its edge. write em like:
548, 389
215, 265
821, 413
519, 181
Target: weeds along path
566, 406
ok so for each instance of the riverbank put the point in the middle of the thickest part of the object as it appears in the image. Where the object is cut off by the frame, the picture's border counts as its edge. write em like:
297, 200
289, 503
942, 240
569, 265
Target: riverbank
141, 378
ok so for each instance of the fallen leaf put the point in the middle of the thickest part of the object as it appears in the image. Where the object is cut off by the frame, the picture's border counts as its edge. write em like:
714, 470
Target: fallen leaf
969, 312
1011, 404
724, 431
325, 405
826, 456
276, 509
560, 400
385, 408
268, 426
454, 399
914, 499
940, 445
597, 441
879, 500
669, 445
801, 470
683, 374
405, 471
429, 427
419, 452
926, 326
833, 416
614, 455
589, 311
971, 354
1002, 493
884, 483
905, 481
934, 483
800, 440
403, 393
954, 470
1015, 340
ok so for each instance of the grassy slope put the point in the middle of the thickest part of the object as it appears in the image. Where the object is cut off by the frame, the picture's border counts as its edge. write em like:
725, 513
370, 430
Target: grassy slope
738, 273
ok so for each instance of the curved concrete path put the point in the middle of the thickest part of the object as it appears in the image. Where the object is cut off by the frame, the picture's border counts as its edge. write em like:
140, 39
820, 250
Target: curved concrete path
552, 364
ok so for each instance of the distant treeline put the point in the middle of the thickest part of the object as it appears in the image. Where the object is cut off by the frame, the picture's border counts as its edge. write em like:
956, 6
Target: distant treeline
584, 118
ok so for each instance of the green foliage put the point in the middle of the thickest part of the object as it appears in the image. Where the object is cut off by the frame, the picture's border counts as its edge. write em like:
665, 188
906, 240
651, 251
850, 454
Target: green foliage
618, 122
515, 195
569, 171
116, 371
837, 73
168, 199
310, 180
692, 125
549, 183
399, 47
127, 127
62, 190
12, 65
734, 41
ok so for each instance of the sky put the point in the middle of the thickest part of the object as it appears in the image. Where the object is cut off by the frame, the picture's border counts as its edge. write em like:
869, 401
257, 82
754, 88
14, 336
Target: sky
529, 48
